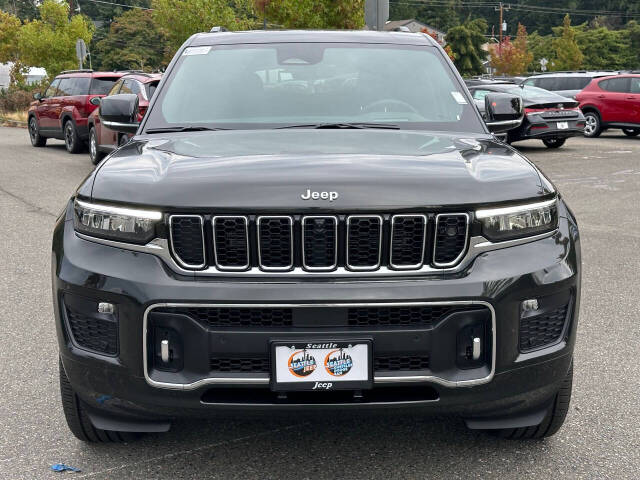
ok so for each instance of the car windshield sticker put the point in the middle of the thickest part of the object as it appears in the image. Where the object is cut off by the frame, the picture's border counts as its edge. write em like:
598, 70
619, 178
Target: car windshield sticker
196, 50
458, 97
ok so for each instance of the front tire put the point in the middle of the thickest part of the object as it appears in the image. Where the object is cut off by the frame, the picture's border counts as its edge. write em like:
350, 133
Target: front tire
592, 125
71, 139
552, 421
37, 140
94, 152
78, 421
554, 142
631, 132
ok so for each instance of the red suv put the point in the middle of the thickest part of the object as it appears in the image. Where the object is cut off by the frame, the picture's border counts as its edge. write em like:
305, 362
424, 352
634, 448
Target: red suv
611, 102
103, 140
63, 110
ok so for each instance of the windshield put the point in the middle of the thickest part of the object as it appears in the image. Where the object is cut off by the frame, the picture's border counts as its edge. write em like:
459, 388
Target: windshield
288, 84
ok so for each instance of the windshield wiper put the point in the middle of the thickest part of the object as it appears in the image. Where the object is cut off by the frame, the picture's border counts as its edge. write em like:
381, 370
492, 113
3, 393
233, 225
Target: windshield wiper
356, 125
186, 128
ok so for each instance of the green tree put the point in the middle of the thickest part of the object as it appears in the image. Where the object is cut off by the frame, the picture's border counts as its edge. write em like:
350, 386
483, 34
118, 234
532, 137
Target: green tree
99, 34
540, 46
605, 49
134, 42
9, 31
567, 52
466, 42
179, 19
9, 52
50, 42
110, 9
633, 31
337, 14
23, 9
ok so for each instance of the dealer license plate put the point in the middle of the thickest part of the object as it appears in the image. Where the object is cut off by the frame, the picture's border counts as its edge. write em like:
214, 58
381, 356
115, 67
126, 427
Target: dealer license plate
321, 365
563, 125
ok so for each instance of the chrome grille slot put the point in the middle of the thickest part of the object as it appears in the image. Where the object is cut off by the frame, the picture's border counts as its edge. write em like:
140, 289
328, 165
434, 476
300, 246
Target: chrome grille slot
319, 242
231, 242
408, 235
450, 238
275, 242
364, 242
187, 240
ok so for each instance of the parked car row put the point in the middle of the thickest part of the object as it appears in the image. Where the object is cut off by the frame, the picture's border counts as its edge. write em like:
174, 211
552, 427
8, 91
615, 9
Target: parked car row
547, 116
563, 104
103, 140
68, 109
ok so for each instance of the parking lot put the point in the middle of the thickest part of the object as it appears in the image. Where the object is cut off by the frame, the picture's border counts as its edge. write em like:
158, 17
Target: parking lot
601, 438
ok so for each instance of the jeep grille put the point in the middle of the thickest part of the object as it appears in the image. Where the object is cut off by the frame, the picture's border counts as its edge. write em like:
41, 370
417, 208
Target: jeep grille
315, 243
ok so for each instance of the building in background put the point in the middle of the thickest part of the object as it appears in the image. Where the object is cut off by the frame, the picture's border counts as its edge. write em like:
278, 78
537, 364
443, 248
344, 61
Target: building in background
5, 78
34, 75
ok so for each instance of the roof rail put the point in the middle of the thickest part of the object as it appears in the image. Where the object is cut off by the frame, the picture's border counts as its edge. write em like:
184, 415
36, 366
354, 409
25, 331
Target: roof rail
218, 29
83, 70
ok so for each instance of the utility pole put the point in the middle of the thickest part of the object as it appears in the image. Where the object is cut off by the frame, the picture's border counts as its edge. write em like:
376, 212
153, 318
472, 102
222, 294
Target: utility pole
376, 14
502, 8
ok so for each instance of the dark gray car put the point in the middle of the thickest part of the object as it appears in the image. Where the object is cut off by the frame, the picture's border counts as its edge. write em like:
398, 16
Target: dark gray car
314, 220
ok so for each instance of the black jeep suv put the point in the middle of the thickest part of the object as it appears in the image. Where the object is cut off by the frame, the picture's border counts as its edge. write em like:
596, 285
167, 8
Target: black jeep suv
314, 220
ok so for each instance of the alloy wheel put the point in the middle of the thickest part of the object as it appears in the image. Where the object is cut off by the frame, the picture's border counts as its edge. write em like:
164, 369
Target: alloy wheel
33, 129
69, 136
93, 149
591, 125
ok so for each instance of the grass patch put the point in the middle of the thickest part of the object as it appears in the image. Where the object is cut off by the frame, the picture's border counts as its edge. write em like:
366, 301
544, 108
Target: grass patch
14, 119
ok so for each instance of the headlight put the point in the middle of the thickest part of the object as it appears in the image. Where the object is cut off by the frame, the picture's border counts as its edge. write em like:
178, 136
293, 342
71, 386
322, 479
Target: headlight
520, 221
115, 223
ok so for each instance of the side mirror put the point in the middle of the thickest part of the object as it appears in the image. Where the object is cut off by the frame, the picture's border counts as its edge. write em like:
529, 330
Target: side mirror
37, 96
503, 111
95, 101
119, 112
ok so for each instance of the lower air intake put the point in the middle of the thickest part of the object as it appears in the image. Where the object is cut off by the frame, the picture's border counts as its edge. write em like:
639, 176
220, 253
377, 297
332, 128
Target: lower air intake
542, 330
235, 317
95, 334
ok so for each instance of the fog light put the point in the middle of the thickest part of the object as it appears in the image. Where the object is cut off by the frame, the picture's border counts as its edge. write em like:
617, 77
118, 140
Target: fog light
530, 305
164, 350
105, 307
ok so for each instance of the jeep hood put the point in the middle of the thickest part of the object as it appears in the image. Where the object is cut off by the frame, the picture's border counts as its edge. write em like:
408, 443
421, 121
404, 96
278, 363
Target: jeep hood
253, 170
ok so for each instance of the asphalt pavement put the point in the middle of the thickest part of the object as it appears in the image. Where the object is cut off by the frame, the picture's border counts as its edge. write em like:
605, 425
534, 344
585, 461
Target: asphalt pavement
601, 438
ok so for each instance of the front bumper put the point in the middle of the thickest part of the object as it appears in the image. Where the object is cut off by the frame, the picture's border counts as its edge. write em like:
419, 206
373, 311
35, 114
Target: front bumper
126, 384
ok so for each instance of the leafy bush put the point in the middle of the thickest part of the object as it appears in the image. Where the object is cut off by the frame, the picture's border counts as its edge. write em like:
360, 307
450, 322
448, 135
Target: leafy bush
14, 99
